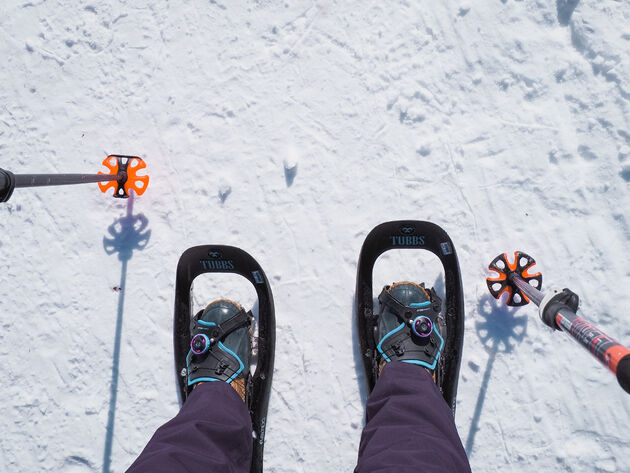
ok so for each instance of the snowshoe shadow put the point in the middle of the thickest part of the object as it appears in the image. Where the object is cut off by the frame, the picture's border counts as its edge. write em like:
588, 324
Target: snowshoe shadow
358, 359
125, 235
499, 330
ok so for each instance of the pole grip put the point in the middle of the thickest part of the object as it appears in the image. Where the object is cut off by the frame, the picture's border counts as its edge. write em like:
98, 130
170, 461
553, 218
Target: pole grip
7, 184
623, 373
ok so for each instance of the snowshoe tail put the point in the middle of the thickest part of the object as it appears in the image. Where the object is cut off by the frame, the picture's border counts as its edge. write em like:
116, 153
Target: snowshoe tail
228, 259
415, 235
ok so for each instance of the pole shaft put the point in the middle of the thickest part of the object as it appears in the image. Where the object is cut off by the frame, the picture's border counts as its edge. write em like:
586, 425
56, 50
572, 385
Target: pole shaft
530, 291
38, 180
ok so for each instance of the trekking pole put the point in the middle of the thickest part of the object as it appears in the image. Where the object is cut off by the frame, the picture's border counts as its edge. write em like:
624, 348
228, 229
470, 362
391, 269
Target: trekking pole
557, 309
122, 177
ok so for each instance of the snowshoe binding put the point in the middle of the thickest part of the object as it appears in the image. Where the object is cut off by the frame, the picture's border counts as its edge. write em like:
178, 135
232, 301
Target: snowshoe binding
413, 324
410, 326
218, 343
220, 346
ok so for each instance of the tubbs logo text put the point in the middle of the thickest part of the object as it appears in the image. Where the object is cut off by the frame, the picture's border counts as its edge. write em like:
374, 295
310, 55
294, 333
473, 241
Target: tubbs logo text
407, 240
217, 265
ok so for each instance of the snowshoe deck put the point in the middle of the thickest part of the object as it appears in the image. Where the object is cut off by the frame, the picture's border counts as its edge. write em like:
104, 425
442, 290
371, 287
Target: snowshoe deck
228, 259
418, 235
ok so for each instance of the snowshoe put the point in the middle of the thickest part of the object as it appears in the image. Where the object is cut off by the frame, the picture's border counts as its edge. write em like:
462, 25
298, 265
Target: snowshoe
413, 325
213, 344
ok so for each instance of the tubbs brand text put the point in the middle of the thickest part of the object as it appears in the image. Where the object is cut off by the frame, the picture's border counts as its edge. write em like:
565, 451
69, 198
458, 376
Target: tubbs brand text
217, 264
407, 240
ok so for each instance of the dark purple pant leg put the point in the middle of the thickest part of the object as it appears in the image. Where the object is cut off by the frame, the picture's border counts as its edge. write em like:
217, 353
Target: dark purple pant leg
409, 427
212, 432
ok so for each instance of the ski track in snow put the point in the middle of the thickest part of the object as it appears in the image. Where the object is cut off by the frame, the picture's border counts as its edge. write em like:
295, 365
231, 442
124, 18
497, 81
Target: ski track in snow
291, 129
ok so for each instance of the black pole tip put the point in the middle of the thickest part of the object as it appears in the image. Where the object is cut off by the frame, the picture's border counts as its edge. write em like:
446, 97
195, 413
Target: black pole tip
623, 373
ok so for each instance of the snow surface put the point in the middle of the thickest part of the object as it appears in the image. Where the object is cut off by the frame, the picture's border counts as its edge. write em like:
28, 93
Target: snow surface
291, 128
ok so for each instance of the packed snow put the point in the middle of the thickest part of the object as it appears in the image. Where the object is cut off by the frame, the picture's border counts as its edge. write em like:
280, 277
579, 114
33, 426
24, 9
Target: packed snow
290, 129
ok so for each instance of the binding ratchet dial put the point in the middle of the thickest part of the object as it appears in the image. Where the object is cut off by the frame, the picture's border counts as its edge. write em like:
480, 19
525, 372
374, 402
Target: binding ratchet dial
200, 344
422, 326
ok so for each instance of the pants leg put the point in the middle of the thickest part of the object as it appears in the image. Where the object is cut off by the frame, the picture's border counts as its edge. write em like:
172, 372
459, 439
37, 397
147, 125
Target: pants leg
409, 427
212, 432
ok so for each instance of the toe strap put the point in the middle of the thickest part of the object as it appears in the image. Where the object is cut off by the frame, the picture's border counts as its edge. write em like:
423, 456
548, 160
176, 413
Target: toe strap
402, 311
217, 332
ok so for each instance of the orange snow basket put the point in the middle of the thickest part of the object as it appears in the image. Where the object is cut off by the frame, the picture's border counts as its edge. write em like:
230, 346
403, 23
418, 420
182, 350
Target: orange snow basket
126, 168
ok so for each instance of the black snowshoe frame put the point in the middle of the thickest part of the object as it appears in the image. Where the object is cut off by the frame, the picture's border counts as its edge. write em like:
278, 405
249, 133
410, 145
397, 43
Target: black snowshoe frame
228, 259
419, 235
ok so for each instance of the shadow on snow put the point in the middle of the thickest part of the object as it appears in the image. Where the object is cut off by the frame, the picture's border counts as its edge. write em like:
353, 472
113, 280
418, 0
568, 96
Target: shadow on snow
499, 330
127, 234
565, 10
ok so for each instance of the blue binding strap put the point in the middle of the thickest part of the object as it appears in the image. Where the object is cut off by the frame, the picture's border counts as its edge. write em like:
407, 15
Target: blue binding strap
417, 305
207, 324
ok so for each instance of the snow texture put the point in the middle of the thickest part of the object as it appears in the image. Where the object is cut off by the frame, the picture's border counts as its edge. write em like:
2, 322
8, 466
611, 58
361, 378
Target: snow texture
291, 128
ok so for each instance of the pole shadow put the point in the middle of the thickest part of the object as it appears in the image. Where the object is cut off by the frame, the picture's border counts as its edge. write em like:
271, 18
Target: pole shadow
499, 330
125, 235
